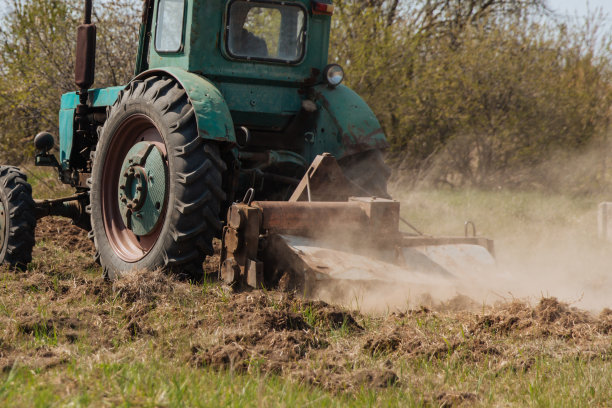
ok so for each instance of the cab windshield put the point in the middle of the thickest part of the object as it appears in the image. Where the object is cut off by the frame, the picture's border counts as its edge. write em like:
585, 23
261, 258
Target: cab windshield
266, 31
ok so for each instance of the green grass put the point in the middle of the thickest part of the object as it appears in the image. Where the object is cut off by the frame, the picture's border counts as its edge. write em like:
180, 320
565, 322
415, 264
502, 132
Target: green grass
45, 182
154, 382
66, 337
500, 214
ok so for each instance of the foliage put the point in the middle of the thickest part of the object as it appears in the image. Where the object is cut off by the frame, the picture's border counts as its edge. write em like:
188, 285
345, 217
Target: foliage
37, 44
471, 91
468, 92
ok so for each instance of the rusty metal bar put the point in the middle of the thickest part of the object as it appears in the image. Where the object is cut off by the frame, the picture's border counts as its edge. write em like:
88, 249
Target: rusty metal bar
308, 218
324, 181
72, 207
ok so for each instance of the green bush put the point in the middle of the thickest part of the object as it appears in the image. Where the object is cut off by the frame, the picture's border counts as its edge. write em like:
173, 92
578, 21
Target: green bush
468, 92
473, 95
37, 44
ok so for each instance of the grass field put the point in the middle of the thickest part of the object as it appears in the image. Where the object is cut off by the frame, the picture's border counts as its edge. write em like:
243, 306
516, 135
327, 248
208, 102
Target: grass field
69, 338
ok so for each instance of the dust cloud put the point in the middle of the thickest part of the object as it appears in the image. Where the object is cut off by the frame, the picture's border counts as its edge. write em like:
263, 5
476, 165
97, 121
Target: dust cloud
554, 264
546, 246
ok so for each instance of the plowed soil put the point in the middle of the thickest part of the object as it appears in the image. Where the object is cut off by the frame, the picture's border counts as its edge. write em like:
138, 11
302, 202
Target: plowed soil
61, 310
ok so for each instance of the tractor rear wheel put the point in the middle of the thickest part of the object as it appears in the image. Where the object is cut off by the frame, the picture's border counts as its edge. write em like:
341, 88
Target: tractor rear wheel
17, 218
156, 184
368, 171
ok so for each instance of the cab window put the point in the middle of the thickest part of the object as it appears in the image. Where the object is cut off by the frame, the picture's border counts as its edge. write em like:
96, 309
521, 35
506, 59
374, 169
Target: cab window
266, 31
169, 32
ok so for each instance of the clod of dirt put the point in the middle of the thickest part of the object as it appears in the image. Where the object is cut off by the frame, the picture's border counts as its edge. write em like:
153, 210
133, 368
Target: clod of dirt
605, 321
549, 318
137, 328
232, 357
550, 310
52, 327
146, 286
382, 344
289, 346
375, 378
34, 327
282, 320
337, 319
454, 399
63, 233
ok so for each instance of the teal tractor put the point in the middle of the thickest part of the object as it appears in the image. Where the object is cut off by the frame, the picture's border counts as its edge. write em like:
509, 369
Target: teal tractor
228, 96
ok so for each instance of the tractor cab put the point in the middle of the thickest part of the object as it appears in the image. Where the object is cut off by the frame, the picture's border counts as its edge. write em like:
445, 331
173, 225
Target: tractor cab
268, 59
260, 54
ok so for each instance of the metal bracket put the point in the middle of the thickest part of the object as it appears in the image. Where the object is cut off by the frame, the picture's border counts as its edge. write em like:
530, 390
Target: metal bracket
467, 224
47, 160
239, 266
324, 181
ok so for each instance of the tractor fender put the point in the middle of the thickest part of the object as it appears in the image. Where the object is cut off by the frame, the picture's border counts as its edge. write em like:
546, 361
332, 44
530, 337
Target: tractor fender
357, 128
213, 115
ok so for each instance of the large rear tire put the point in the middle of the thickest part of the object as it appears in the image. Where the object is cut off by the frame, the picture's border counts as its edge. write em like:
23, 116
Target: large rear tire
17, 218
156, 184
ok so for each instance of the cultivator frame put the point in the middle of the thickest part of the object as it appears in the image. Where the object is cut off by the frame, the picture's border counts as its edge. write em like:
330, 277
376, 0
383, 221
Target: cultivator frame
256, 245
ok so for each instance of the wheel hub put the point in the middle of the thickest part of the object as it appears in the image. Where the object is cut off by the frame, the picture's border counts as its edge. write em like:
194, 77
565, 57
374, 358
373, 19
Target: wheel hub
3, 223
142, 188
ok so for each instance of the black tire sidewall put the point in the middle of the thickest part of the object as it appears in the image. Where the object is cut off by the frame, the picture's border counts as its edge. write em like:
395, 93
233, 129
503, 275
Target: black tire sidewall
154, 259
7, 226
20, 221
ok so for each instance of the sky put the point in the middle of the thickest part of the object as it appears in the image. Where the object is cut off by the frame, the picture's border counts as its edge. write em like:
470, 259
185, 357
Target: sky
580, 7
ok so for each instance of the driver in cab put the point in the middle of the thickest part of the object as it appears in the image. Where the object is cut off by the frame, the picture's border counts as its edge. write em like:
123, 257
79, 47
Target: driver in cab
242, 41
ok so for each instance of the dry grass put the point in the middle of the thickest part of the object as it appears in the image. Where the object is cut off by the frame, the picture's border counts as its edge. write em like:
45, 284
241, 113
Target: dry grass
69, 337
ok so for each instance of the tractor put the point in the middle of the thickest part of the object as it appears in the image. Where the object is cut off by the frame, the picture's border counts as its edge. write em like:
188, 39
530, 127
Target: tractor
230, 98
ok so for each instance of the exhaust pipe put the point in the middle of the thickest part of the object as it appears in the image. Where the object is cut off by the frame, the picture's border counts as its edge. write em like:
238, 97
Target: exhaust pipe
85, 52
84, 68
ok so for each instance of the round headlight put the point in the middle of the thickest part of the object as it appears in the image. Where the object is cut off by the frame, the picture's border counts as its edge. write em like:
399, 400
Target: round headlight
334, 75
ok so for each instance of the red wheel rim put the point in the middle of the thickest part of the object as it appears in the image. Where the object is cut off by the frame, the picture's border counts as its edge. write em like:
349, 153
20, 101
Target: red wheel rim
128, 246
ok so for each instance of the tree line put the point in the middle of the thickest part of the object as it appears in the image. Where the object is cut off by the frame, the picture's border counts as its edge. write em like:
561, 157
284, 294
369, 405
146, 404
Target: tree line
469, 92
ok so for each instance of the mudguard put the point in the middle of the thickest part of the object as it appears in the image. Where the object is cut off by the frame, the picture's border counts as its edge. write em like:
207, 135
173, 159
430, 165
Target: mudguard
357, 129
212, 113
213, 116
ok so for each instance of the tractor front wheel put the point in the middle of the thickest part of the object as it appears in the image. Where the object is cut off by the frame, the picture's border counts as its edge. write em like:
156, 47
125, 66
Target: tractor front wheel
17, 218
156, 184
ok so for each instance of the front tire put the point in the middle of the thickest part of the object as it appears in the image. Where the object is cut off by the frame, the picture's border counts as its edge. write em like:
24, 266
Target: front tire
156, 185
17, 218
